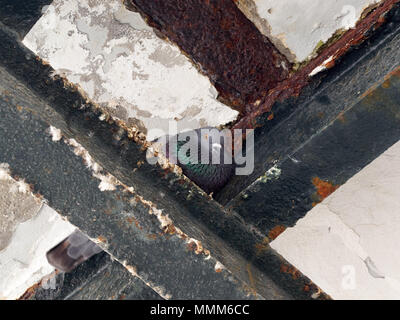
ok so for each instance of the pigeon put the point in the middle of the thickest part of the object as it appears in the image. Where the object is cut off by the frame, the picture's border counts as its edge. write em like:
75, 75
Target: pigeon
210, 175
71, 252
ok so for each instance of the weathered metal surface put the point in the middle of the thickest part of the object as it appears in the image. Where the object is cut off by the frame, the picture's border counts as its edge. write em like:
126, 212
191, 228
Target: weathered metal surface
299, 27
387, 13
356, 228
241, 62
71, 190
95, 44
323, 113
99, 278
295, 121
311, 173
117, 219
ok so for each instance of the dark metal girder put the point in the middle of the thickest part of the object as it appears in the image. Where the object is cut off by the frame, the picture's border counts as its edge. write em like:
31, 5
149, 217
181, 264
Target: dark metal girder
230, 237
73, 192
99, 278
294, 121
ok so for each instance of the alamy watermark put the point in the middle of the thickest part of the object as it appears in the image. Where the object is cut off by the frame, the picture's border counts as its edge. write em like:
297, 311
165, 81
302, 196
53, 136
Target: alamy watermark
206, 146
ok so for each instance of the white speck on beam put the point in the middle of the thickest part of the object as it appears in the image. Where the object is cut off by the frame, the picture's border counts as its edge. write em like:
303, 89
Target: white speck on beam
55, 134
322, 67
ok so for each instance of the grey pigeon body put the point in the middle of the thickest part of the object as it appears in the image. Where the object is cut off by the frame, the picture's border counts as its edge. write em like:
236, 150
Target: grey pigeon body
71, 252
209, 176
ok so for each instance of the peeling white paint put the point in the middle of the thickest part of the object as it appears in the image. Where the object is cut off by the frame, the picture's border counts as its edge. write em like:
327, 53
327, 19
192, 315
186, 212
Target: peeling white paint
108, 182
219, 267
29, 228
17, 185
23, 262
164, 219
348, 244
297, 27
121, 64
4, 172
55, 134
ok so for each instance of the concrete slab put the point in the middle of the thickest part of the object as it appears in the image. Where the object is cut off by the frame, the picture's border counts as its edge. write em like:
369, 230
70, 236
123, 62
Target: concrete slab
348, 245
121, 64
297, 27
28, 230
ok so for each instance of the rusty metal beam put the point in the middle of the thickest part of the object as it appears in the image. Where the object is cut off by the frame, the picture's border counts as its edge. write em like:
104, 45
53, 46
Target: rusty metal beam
383, 15
32, 100
241, 62
293, 122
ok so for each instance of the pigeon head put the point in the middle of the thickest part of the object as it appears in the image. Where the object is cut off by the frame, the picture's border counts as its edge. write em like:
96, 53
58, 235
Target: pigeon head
205, 156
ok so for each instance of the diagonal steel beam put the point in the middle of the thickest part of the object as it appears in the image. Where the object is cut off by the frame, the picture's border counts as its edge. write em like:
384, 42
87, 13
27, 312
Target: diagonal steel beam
58, 174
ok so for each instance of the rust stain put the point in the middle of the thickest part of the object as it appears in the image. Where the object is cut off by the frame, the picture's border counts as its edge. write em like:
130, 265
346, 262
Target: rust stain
271, 117
275, 232
330, 64
251, 279
369, 92
394, 73
386, 84
324, 188
290, 270
218, 270
140, 163
262, 246
242, 63
170, 229
102, 239
310, 287
130, 220
389, 76
197, 247
151, 236
341, 117
191, 246
30, 292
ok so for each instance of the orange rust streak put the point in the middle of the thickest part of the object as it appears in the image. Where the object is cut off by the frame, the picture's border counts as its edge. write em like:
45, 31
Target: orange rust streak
324, 188
386, 83
275, 232
262, 246
251, 278
290, 270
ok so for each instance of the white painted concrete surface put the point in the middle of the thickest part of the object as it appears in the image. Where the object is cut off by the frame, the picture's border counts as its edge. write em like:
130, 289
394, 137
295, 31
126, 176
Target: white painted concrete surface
301, 25
32, 229
121, 64
349, 244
